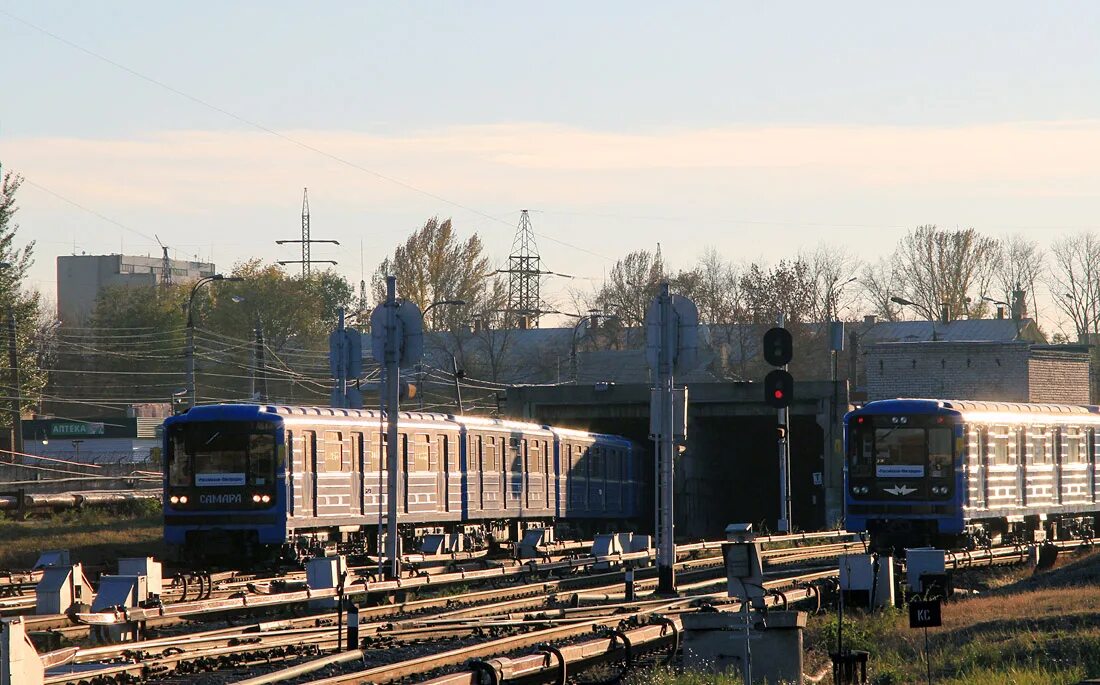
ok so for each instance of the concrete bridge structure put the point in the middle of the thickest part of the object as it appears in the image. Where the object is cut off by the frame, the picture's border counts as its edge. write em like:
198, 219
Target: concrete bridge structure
729, 470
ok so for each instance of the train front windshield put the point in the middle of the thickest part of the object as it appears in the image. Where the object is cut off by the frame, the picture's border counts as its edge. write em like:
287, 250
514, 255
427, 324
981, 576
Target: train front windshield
891, 458
221, 463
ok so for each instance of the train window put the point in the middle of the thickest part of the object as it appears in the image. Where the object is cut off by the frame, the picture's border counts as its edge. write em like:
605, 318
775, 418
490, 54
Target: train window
515, 454
1074, 446
334, 451
382, 453
997, 446
422, 444
939, 452
596, 462
1039, 448
534, 457
261, 459
896, 448
491, 463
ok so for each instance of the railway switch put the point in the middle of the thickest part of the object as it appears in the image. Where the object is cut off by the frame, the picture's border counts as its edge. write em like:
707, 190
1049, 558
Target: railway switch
60, 588
19, 662
867, 579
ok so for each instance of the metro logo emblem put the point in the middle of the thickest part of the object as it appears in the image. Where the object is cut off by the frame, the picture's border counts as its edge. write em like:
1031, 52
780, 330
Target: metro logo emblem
900, 490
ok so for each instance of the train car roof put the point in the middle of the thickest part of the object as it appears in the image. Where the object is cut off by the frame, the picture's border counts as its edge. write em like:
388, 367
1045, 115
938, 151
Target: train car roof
981, 409
270, 412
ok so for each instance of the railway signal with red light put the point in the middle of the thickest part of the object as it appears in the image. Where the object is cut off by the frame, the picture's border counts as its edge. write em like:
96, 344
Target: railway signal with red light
778, 389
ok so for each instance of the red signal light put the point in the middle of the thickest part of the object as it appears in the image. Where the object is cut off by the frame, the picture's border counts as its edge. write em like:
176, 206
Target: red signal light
859, 420
778, 394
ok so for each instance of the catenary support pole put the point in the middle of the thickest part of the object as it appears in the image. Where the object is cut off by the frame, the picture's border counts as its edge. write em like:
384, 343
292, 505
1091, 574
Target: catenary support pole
13, 362
667, 550
394, 492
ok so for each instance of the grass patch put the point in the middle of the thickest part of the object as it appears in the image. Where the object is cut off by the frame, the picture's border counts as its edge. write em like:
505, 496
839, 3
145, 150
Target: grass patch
1042, 628
94, 536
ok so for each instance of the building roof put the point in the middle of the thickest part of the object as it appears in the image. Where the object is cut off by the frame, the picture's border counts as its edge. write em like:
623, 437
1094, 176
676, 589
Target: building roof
963, 330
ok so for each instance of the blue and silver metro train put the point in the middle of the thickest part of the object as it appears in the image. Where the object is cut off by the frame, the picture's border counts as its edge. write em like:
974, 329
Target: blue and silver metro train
949, 472
250, 480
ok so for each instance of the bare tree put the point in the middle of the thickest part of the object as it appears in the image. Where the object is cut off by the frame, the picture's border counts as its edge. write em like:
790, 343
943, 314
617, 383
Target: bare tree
1020, 267
937, 267
631, 285
1074, 281
880, 283
831, 268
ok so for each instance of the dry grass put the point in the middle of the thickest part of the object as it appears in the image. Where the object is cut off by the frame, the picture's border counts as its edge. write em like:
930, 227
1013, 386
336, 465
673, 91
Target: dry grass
1028, 629
93, 536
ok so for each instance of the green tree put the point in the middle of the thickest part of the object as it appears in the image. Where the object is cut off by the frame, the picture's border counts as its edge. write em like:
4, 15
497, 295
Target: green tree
433, 265
21, 305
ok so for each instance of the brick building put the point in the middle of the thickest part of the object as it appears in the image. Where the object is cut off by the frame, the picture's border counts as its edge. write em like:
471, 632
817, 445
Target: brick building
1005, 371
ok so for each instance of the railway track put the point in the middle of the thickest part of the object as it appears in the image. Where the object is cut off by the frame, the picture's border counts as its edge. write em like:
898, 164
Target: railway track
547, 605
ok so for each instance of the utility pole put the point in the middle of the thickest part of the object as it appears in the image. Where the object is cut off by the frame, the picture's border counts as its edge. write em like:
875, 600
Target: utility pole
307, 241
525, 277
261, 363
666, 553
458, 388
394, 492
671, 326
13, 362
397, 337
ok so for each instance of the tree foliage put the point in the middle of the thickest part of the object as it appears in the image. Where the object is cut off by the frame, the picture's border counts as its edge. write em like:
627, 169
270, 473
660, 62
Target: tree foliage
631, 285
434, 265
19, 304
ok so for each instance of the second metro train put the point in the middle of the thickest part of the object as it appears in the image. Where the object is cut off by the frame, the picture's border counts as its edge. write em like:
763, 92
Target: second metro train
950, 472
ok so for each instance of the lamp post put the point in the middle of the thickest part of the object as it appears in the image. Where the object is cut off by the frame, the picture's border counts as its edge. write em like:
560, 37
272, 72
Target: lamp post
420, 365
907, 303
191, 395
592, 315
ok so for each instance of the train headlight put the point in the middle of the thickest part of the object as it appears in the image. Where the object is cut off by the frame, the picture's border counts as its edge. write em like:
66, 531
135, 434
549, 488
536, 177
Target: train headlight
265, 498
183, 499
174, 500
256, 498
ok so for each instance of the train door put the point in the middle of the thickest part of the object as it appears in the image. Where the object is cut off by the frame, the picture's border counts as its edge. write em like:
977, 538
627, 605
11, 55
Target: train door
550, 475
1056, 485
981, 469
1021, 467
442, 474
292, 473
1090, 468
309, 472
357, 469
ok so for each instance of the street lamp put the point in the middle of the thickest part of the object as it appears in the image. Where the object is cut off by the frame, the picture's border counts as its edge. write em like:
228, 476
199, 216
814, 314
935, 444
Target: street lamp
906, 303
192, 400
420, 365
591, 316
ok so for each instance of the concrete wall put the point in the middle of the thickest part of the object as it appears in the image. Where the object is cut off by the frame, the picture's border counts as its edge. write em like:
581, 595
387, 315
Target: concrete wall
996, 371
80, 277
